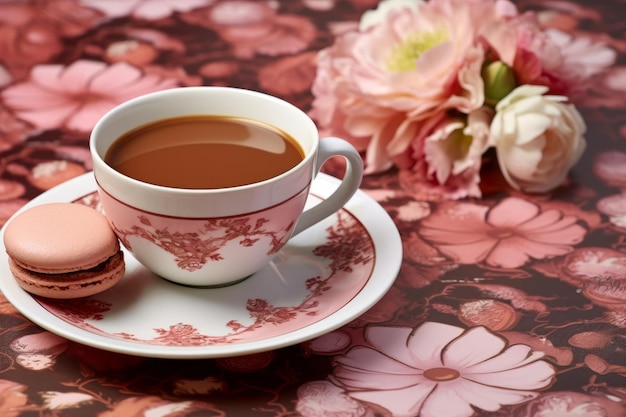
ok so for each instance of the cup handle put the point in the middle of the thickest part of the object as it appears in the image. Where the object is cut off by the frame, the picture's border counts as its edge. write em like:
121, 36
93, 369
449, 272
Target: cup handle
329, 147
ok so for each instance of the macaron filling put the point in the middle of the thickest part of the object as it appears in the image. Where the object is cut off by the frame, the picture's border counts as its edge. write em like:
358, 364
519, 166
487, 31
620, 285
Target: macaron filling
76, 275
71, 284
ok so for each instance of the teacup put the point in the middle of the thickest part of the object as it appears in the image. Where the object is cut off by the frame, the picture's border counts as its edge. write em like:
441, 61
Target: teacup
215, 236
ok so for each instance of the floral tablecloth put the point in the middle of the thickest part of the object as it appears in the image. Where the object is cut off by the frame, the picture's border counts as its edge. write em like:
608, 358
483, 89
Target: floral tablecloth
509, 305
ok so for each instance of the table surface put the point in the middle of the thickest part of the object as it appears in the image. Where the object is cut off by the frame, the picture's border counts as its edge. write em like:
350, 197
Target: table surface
534, 326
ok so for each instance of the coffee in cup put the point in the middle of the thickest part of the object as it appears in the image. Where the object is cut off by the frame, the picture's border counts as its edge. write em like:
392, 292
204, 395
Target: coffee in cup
210, 151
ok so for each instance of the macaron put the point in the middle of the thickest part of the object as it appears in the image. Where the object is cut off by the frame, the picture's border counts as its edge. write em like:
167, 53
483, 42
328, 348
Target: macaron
63, 250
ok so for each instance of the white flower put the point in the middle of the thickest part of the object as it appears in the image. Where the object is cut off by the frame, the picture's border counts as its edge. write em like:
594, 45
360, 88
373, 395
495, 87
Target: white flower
373, 17
538, 138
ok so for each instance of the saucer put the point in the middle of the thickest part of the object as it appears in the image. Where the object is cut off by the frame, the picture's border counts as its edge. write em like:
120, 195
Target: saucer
322, 279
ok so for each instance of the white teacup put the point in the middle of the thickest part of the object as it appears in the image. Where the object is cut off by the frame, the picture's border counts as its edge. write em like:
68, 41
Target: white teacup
215, 237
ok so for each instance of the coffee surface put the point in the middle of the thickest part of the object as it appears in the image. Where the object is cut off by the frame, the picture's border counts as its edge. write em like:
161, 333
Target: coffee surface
200, 152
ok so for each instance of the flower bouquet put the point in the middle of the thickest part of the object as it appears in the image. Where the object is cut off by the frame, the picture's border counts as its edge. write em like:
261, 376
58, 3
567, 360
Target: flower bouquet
437, 87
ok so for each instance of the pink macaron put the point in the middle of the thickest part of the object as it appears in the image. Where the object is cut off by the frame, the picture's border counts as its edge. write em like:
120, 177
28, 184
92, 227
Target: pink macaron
63, 250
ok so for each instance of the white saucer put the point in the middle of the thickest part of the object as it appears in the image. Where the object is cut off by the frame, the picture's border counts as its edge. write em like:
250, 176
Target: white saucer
323, 279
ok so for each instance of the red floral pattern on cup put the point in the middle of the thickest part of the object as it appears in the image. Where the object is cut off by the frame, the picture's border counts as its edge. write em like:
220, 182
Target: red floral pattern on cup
193, 249
189, 249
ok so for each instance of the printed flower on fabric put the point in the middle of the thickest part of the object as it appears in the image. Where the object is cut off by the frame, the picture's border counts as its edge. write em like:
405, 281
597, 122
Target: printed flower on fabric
144, 9
441, 370
156, 406
55, 400
572, 404
13, 398
256, 27
75, 97
323, 399
556, 59
506, 235
600, 272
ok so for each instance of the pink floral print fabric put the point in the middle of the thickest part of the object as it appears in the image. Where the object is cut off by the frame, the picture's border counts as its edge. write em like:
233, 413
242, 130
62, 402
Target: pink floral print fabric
511, 305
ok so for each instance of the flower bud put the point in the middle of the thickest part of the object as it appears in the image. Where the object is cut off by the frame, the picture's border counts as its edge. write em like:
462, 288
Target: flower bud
499, 81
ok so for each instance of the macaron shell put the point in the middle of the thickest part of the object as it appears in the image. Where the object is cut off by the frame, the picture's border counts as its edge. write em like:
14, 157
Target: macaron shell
71, 285
60, 237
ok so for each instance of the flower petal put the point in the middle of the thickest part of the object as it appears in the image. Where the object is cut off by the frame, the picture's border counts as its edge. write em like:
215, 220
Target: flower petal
447, 400
473, 346
392, 341
513, 357
401, 403
511, 212
465, 217
545, 220
463, 392
470, 253
85, 118
428, 342
356, 379
567, 236
75, 78
531, 126
32, 96
49, 118
515, 251
533, 376
116, 77
368, 360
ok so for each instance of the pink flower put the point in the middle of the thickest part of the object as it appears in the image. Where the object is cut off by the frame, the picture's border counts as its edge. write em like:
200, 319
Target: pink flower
572, 404
43, 342
255, 27
610, 167
451, 155
374, 17
422, 60
507, 235
38, 351
607, 90
76, 96
376, 86
600, 273
32, 33
614, 207
288, 75
13, 398
145, 9
583, 58
441, 370
555, 59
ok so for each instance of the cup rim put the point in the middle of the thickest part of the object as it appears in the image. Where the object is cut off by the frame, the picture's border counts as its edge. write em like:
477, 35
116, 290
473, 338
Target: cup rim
101, 124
